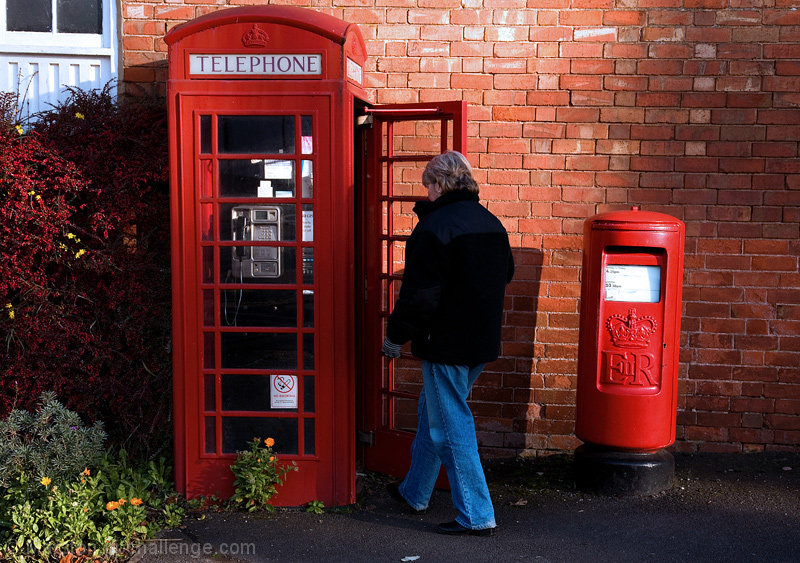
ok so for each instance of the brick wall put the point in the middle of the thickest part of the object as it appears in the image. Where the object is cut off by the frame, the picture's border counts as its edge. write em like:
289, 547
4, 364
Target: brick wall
688, 107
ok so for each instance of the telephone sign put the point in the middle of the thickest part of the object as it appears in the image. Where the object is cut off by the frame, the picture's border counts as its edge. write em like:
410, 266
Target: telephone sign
255, 65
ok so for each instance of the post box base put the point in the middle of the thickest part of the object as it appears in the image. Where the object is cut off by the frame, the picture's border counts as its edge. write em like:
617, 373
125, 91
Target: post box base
620, 473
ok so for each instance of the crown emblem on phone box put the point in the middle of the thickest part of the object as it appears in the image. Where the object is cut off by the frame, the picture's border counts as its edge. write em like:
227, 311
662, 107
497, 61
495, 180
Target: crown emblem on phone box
256, 37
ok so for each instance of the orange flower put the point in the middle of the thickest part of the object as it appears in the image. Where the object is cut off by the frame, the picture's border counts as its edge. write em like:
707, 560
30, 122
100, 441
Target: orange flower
272, 458
269, 442
112, 505
136, 501
86, 472
122, 501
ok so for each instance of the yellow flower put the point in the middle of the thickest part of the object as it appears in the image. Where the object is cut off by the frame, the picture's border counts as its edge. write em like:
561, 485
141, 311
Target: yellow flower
80, 253
70, 235
136, 501
46, 481
20, 130
112, 505
10, 309
38, 198
269, 442
79, 115
32, 192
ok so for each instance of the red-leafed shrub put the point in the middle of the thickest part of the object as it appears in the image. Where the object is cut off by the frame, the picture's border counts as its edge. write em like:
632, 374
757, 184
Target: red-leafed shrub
84, 267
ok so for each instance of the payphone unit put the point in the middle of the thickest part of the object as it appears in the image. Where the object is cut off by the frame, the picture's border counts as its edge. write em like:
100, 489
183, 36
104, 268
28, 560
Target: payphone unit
256, 223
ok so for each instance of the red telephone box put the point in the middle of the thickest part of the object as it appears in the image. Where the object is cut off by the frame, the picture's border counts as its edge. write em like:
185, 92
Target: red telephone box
630, 333
276, 264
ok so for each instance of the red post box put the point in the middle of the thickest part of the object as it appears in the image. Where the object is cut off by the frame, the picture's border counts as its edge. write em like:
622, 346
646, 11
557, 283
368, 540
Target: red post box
628, 352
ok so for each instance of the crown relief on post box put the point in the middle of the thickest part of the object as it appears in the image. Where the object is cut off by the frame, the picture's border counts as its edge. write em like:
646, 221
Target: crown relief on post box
631, 330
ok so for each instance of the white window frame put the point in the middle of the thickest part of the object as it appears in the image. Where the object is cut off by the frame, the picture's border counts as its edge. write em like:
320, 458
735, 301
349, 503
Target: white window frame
54, 43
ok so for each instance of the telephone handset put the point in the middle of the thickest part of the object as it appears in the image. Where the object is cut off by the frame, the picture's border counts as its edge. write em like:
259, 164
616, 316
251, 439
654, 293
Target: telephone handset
256, 223
239, 231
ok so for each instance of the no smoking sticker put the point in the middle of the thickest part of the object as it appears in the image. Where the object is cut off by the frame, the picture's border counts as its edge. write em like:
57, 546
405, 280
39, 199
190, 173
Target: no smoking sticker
283, 391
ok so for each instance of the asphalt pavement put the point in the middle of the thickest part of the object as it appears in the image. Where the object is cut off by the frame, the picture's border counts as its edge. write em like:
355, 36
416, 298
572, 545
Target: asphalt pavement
722, 507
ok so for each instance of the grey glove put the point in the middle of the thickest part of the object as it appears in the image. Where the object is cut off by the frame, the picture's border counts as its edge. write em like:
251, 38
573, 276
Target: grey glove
390, 349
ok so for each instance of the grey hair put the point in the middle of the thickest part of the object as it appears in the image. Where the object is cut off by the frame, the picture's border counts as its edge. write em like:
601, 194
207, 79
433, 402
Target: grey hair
450, 171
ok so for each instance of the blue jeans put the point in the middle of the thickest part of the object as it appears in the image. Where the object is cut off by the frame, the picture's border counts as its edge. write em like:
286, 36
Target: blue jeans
446, 436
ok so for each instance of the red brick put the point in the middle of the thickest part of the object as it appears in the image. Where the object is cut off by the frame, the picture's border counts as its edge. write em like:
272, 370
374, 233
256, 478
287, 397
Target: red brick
652, 99
733, 116
580, 82
580, 17
660, 67
581, 49
643, 132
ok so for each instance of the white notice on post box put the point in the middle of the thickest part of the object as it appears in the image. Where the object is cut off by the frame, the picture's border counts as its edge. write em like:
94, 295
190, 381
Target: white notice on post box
635, 284
283, 391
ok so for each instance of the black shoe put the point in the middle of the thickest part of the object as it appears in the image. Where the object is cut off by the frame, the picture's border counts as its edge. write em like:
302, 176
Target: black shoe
455, 529
394, 491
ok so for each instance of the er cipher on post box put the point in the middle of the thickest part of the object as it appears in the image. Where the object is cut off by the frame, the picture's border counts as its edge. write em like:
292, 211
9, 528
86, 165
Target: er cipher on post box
282, 191
632, 279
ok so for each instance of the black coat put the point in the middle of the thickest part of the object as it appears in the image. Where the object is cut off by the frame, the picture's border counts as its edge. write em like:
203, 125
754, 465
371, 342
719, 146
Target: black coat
458, 262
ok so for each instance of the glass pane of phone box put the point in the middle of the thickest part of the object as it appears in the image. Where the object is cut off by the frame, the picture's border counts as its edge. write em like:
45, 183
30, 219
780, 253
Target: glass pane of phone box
236, 269
258, 350
267, 178
238, 433
261, 222
248, 307
247, 392
249, 134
